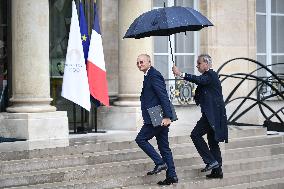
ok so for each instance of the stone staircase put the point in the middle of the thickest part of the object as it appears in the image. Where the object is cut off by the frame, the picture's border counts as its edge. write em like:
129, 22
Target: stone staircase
251, 160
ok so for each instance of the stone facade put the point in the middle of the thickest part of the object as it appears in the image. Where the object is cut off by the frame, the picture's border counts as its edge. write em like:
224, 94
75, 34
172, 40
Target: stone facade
233, 35
31, 116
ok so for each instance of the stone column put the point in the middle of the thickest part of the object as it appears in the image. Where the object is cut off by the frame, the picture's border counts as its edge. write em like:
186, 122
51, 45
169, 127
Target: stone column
130, 78
30, 75
127, 108
30, 57
109, 30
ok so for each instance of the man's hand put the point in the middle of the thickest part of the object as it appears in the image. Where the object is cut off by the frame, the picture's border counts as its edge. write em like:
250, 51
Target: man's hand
166, 122
176, 71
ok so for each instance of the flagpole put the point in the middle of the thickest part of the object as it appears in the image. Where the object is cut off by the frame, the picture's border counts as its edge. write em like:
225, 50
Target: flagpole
96, 70
96, 120
74, 118
75, 85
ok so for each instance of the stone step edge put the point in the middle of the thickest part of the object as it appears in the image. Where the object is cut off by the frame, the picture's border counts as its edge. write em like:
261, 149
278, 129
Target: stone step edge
195, 154
134, 161
196, 166
197, 180
147, 159
244, 174
184, 135
269, 182
113, 152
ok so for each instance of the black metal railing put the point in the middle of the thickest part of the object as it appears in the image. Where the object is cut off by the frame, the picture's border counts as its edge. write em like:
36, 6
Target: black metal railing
267, 88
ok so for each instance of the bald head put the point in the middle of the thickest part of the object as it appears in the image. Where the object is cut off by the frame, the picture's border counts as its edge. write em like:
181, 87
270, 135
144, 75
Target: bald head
143, 62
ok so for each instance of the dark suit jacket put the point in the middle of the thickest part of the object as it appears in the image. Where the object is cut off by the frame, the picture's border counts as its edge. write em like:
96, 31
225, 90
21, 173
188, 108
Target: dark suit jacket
154, 93
209, 96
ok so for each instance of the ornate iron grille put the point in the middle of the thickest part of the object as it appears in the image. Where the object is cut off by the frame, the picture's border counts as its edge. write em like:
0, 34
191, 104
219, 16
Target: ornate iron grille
267, 88
180, 91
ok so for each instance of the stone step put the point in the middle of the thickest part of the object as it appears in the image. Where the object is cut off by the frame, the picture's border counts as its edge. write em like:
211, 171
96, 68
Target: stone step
236, 172
128, 167
81, 147
254, 141
93, 144
230, 181
194, 171
133, 154
146, 164
274, 184
246, 131
277, 183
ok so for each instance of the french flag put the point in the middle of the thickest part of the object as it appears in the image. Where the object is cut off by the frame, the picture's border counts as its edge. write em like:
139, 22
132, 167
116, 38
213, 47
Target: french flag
96, 65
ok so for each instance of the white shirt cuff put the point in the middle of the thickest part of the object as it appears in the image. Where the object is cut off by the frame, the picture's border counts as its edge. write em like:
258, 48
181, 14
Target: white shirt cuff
182, 75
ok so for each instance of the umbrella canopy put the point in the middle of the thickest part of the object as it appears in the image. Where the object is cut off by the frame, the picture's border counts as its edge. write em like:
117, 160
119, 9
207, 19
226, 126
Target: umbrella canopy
166, 21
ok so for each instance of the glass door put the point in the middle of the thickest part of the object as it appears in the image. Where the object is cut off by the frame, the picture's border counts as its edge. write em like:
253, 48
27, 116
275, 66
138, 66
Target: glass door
60, 13
3, 55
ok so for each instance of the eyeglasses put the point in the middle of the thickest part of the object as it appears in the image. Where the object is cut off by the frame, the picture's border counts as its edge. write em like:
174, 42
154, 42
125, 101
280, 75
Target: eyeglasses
140, 62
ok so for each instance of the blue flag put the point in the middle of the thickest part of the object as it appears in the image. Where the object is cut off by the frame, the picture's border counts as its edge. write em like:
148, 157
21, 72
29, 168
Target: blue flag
96, 25
84, 32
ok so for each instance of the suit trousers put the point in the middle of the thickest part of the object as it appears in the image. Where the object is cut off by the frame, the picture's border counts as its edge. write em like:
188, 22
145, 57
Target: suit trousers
211, 154
146, 133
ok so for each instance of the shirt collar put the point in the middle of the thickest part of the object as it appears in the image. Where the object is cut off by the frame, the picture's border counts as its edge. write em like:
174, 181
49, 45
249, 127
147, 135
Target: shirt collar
145, 74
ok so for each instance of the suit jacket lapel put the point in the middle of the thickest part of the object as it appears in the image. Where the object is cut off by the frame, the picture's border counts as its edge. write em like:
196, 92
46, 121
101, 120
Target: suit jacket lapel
146, 78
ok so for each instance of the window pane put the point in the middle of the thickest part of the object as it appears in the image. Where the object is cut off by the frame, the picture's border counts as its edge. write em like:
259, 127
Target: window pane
60, 19
185, 42
278, 69
159, 3
277, 31
161, 64
277, 6
161, 44
261, 33
260, 6
186, 63
261, 59
3, 12
184, 3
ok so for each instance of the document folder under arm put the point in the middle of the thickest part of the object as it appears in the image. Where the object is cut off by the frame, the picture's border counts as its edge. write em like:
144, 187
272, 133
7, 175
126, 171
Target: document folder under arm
156, 115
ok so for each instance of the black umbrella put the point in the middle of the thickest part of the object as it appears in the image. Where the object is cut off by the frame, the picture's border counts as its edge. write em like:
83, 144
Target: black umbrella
166, 21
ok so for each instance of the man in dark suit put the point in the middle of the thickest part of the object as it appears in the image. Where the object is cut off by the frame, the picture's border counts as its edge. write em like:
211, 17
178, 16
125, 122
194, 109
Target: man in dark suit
154, 93
213, 122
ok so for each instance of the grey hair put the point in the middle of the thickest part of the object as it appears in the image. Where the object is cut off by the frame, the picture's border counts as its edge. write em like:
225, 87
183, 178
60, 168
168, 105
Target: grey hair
206, 58
147, 56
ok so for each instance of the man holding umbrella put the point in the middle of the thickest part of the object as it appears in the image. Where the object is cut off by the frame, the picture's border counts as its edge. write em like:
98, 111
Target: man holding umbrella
213, 122
165, 22
154, 93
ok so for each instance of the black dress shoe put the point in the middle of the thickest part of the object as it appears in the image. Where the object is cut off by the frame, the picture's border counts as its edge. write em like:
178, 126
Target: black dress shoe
157, 169
168, 181
215, 175
210, 166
